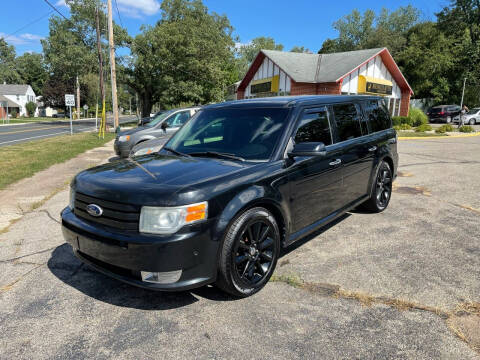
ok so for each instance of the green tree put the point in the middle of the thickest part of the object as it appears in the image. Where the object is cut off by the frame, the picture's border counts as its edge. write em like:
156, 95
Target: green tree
365, 31
8, 72
186, 57
300, 49
248, 52
32, 71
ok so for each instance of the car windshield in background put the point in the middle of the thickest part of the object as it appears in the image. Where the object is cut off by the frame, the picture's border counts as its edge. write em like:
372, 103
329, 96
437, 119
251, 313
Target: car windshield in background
159, 118
250, 134
436, 110
473, 111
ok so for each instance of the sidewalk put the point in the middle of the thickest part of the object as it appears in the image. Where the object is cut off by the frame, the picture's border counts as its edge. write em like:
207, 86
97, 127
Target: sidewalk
25, 195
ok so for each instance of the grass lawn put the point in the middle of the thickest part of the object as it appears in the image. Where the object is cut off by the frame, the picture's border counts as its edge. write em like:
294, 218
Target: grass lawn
418, 134
23, 160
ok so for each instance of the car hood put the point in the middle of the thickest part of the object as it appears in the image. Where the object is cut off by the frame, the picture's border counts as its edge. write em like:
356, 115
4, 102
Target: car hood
157, 180
132, 131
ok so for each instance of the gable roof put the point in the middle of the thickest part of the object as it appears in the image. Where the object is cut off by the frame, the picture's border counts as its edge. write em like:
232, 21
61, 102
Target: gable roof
323, 68
10, 103
13, 89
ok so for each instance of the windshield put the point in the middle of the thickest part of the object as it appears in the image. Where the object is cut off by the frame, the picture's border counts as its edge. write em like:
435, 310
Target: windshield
247, 133
436, 110
473, 111
159, 118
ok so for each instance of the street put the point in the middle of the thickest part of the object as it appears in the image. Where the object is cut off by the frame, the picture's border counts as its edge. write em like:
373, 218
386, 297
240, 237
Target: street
14, 134
371, 286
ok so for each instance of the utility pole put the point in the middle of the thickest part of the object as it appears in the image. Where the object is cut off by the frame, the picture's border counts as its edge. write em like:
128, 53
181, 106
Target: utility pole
463, 92
112, 66
100, 66
78, 99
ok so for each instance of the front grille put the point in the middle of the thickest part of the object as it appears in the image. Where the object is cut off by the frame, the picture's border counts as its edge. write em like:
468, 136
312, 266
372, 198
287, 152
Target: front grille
115, 215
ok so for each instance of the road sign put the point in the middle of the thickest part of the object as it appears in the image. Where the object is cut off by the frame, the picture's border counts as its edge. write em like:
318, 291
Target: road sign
69, 100
85, 107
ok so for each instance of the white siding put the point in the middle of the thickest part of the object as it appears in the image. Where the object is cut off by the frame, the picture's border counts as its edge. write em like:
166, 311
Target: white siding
266, 70
374, 68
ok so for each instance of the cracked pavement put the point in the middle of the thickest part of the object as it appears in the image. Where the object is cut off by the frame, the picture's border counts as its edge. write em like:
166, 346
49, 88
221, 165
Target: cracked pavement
424, 250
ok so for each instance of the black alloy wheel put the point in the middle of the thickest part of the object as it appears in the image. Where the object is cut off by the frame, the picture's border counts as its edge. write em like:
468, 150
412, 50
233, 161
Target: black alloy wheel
253, 254
249, 253
383, 189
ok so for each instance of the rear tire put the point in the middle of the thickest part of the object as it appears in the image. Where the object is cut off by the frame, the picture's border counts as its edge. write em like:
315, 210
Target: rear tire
449, 119
381, 189
249, 253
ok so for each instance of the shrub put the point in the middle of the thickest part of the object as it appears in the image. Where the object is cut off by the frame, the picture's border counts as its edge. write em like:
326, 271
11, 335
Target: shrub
31, 107
399, 120
444, 128
417, 117
13, 114
423, 128
466, 129
402, 127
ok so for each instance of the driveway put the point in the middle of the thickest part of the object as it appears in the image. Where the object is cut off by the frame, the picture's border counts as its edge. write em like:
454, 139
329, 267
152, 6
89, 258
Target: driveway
401, 284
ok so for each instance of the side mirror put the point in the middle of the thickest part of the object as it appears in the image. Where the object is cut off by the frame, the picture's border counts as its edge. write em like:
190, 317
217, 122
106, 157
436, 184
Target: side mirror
308, 149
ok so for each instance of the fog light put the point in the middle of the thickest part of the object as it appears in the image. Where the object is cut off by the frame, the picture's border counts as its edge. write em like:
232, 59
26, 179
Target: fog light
167, 277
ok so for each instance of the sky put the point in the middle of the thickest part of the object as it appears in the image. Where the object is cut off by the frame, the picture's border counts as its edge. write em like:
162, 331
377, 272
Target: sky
301, 22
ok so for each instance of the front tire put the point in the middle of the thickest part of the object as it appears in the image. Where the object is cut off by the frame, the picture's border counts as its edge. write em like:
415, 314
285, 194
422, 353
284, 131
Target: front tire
449, 119
472, 122
381, 189
249, 253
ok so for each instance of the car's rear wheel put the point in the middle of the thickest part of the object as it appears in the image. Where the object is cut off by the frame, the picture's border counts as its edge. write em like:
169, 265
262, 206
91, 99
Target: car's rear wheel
249, 253
449, 119
381, 189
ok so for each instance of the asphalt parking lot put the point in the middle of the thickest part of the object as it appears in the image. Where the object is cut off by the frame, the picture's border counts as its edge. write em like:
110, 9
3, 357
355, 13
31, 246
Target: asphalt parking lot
400, 284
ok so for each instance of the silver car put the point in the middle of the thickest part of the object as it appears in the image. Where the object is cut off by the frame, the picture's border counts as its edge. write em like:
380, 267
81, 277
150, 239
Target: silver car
164, 124
470, 118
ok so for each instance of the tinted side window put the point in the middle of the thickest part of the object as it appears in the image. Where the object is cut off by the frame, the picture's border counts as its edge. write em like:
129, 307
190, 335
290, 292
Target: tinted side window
314, 127
347, 120
377, 116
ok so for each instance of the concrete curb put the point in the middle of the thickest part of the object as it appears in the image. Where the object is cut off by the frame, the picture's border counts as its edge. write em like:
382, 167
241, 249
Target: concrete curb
439, 137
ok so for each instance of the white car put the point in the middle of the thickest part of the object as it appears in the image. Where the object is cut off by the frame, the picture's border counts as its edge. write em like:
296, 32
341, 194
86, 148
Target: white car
470, 118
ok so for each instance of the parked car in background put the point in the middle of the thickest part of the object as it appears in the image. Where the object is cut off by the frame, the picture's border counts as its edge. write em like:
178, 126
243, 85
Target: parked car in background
472, 117
238, 182
149, 146
60, 115
166, 123
443, 113
146, 120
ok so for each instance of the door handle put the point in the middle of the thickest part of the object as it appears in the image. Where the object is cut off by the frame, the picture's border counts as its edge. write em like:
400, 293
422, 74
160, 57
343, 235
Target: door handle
372, 149
335, 162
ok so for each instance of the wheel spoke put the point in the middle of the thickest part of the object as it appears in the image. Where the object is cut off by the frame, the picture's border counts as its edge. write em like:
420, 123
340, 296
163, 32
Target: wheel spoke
388, 180
265, 244
261, 268
251, 269
241, 259
258, 229
250, 234
242, 245
264, 234
267, 255
245, 269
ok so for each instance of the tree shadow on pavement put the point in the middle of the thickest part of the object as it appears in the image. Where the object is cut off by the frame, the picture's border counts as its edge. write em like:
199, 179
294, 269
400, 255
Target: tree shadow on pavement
66, 267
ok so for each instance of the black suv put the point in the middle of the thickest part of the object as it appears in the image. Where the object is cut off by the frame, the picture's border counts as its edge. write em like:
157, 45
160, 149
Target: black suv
234, 185
443, 113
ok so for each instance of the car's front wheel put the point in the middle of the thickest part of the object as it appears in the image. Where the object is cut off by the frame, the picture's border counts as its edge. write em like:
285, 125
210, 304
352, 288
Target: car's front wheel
472, 122
249, 253
449, 119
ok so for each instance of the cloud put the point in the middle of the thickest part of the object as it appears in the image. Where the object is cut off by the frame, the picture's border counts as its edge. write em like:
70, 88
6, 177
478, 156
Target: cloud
21, 39
138, 8
61, 3
239, 45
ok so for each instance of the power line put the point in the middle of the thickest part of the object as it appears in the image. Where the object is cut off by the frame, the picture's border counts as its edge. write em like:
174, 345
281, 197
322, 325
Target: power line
118, 12
54, 8
27, 25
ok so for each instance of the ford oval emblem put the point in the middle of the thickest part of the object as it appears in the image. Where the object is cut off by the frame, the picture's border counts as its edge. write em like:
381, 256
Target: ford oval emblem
94, 210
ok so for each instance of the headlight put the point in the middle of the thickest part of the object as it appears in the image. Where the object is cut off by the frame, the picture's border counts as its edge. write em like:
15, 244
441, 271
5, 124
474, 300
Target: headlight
168, 220
124, 138
147, 150
72, 199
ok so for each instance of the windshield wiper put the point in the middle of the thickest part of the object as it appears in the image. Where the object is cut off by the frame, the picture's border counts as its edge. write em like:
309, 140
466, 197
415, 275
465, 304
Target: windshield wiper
175, 152
217, 154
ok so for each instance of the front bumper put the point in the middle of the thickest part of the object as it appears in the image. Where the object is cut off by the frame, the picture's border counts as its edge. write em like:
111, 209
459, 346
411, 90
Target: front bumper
123, 255
122, 149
